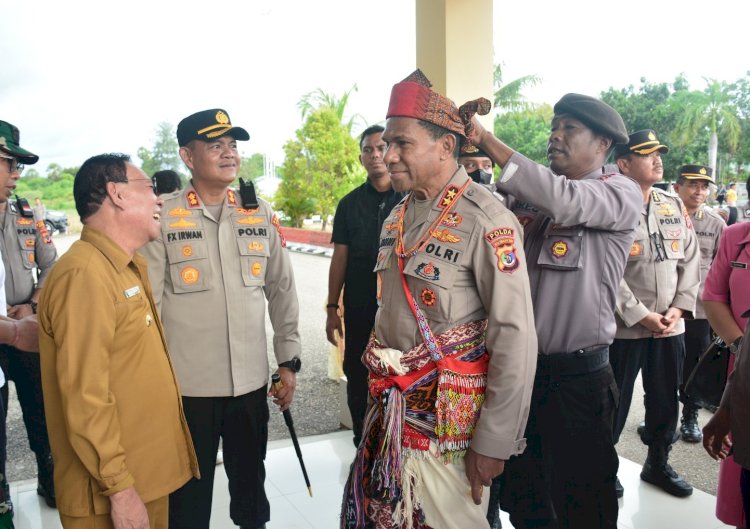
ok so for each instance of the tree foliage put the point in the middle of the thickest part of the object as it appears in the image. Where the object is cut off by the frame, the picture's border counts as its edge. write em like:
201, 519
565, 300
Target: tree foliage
321, 165
526, 131
508, 96
163, 154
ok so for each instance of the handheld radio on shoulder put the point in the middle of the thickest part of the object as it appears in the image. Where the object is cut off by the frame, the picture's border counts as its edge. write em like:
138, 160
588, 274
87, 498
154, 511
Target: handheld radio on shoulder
247, 194
24, 207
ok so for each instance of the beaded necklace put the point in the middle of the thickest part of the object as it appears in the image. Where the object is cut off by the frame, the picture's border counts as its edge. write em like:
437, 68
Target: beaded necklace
450, 200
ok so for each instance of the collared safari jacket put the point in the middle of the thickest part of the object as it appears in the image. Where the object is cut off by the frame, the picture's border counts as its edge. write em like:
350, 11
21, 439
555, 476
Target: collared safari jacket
114, 412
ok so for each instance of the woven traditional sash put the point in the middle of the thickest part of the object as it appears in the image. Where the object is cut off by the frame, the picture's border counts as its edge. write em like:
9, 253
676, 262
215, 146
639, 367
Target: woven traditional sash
436, 401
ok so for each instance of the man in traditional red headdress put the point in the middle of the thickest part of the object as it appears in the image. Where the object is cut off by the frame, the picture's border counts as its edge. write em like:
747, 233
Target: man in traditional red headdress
454, 333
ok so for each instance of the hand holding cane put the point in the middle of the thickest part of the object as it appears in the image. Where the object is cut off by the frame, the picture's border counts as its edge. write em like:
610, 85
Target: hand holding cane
277, 384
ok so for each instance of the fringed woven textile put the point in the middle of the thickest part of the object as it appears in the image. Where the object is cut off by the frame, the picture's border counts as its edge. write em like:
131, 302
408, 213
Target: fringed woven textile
415, 400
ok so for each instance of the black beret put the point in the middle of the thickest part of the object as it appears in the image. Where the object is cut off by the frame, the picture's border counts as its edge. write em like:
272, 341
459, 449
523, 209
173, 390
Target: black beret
696, 172
208, 125
595, 114
642, 142
469, 150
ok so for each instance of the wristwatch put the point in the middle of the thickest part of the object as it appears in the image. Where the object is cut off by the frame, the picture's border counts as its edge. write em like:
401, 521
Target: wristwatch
33, 306
295, 364
734, 347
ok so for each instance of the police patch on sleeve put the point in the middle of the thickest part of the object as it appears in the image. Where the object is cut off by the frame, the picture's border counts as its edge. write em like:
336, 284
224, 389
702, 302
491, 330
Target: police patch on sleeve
277, 225
503, 240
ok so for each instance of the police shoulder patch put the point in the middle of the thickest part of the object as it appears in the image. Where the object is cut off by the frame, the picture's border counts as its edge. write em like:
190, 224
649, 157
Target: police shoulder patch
503, 240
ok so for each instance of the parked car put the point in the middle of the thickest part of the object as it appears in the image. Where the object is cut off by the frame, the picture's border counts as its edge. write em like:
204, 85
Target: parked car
56, 222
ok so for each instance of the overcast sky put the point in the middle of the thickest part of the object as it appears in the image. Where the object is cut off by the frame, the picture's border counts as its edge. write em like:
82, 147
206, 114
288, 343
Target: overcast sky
80, 78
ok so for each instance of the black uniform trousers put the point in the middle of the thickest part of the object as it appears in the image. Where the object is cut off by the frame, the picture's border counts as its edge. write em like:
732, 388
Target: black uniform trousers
566, 476
660, 361
358, 324
242, 424
697, 340
24, 370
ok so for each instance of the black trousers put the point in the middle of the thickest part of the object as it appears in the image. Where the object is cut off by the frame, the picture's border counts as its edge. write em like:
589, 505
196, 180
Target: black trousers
745, 491
24, 370
242, 424
358, 326
697, 340
566, 476
660, 361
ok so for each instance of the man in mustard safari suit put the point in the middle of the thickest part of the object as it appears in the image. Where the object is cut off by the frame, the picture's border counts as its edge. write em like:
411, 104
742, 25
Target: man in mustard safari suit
114, 414
213, 268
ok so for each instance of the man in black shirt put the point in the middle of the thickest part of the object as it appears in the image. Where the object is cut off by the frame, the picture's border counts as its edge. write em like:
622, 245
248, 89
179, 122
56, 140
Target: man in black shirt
356, 229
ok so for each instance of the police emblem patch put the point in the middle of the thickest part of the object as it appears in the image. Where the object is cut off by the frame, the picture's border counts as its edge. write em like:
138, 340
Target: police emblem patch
30, 242
452, 220
428, 271
277, 225
190, 275
24, 222
636, 249
503, 240
180, 212
187, 250
675, 245
666, 210
256, 269
244, 211
392, 226
182, 223
559, 249
428, 297
255, 246
445, 236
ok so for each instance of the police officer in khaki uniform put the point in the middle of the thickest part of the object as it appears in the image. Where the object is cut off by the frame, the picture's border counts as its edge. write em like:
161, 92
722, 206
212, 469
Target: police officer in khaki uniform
27, 250
219, 259
449, 262
658, 290
579, 224
693, 187
743, 210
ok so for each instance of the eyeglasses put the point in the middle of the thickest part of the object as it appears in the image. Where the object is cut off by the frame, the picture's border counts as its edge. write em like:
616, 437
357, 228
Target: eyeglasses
14, 166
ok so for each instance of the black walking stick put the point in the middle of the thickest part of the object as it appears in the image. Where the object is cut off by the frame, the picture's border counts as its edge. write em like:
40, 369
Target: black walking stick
276, 382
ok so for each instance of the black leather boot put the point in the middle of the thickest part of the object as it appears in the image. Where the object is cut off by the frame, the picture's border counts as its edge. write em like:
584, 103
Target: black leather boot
689, 424
658, 472
45, 484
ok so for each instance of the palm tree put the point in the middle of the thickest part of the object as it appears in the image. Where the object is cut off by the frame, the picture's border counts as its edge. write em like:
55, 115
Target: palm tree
713, 111
508, 96
318, 98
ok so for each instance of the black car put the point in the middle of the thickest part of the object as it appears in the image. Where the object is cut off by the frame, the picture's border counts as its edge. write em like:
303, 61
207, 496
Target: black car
56, 221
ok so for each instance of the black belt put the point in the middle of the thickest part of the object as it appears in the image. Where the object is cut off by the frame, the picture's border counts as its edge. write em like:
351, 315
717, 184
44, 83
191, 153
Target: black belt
575, 363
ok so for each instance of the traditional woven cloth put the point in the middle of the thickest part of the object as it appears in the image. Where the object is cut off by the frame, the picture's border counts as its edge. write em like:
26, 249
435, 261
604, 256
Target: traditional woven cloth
418, 403
412, 98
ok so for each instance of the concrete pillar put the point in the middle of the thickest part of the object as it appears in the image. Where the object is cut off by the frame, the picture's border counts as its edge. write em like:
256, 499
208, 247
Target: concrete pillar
454, 48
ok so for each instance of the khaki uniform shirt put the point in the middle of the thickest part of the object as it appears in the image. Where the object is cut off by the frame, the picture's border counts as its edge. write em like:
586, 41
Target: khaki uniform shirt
708, 226
113, 408
577, 237
472, 268
650, 285
211, 281
24, 248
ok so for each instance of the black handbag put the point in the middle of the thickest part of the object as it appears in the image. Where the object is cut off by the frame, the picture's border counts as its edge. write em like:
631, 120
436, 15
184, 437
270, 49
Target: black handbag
705, 385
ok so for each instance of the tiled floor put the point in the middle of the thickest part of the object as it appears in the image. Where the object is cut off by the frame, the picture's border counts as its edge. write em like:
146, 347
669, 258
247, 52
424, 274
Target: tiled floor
327, 459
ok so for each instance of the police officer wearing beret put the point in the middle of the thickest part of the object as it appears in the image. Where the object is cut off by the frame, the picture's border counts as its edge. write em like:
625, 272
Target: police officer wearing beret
693, 187
658, 290
220, 257
579, 226
27, 250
